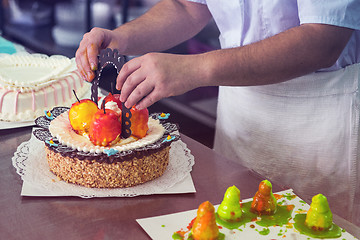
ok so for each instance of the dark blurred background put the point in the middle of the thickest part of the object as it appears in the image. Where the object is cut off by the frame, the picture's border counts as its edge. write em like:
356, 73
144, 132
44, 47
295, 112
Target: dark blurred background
55, 27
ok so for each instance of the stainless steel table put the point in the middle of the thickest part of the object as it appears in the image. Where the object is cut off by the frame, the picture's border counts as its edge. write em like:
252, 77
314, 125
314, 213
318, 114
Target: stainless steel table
113, 218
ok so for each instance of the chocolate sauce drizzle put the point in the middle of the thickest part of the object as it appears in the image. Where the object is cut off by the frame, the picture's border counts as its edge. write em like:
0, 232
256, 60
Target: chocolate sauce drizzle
109, 56
43, 134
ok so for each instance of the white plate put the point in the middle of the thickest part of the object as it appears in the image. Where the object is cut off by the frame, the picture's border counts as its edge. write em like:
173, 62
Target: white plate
9, 125
163, 227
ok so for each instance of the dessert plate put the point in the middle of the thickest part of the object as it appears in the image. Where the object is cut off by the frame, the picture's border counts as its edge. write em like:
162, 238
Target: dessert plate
30, 163
9, 125
164, 227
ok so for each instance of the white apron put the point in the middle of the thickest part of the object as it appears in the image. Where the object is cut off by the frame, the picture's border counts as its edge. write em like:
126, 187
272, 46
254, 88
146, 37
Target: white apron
302, 134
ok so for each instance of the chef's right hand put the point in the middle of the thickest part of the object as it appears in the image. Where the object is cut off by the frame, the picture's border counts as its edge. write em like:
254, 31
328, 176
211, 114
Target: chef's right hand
89, 48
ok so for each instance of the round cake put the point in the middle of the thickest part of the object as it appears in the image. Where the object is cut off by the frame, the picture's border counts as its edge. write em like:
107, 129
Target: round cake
129, 162
33, 83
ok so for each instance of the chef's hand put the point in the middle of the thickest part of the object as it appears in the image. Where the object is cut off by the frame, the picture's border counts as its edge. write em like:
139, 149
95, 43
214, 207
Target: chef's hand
147, 79
90, 46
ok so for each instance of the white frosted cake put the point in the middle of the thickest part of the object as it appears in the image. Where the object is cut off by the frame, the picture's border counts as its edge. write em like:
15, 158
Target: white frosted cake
33, 83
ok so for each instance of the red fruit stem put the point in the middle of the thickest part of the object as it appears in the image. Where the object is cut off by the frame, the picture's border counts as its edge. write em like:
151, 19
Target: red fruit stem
76, 95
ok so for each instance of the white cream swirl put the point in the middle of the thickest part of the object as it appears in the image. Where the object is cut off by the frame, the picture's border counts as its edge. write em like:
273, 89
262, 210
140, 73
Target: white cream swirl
113, 106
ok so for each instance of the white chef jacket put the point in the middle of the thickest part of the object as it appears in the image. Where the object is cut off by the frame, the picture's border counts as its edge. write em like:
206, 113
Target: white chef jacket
303, 133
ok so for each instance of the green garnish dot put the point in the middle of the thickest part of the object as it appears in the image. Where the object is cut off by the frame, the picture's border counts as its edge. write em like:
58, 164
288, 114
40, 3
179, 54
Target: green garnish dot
177, 236
221, 236
264, 231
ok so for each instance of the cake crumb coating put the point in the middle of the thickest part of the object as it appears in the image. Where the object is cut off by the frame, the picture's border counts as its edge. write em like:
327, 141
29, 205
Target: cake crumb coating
90, 173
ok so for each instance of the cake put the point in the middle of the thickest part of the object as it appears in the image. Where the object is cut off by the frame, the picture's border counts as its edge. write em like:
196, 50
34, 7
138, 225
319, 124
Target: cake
73, 157
33, 83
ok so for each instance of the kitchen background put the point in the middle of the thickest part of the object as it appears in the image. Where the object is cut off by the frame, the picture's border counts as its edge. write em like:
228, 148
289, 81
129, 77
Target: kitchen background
56, 27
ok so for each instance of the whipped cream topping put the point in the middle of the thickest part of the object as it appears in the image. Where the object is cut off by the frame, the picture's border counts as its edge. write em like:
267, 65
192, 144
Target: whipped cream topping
113, 106
61, 129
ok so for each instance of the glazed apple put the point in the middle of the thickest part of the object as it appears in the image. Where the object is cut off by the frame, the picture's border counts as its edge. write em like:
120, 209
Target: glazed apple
105, 128
114, 98
139, 118
80, 115
139, 122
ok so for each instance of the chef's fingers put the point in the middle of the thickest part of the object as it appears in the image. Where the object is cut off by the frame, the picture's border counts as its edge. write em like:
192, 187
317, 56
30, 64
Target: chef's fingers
148, 100
133, 82
92, 52
87, 54
128, 69
81, 59
140, 93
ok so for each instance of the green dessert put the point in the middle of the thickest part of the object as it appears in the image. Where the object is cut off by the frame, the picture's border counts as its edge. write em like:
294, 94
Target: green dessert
319, 216
230, 208
317, 222
264, 201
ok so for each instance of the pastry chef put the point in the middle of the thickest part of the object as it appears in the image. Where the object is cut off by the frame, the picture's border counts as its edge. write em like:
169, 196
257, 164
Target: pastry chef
288, 73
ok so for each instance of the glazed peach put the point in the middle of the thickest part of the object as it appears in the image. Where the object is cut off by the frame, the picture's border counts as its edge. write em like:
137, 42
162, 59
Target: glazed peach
139, 122
80, 115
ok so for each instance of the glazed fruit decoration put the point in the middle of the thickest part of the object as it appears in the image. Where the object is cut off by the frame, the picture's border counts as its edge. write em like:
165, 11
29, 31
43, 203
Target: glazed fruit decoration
264, 201
139, 118
105, 128
80, 115
319, 217
204, 227
230, 208
112, 98
139, 122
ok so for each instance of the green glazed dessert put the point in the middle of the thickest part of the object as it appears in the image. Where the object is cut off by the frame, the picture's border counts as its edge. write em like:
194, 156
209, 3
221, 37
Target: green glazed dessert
264, 201
319, 216
230, 208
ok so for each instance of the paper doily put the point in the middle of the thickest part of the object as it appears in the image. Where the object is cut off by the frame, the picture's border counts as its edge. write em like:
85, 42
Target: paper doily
31, 164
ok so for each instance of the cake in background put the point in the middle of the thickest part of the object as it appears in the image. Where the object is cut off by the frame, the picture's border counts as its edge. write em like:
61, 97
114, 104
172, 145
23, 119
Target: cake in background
33, 83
